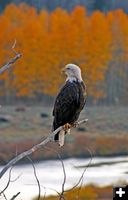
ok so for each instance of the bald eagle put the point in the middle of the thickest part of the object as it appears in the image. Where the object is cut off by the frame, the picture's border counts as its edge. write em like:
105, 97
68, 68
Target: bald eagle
69, 101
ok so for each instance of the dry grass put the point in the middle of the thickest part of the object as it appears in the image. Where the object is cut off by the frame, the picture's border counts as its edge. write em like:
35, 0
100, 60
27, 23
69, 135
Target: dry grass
28, 125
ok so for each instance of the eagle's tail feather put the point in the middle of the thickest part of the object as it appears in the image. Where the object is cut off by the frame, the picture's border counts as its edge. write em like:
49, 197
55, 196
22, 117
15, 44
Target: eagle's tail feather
60, 136
56, 137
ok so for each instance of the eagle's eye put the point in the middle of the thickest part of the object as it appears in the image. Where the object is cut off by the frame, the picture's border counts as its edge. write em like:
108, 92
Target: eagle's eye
68, 68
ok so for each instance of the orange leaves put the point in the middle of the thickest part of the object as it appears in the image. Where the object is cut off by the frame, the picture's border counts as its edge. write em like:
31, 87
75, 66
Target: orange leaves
51, 40
89, 192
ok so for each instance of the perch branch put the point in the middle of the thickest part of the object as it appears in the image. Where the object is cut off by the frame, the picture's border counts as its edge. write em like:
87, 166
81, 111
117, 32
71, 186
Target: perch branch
34, 148
13, 60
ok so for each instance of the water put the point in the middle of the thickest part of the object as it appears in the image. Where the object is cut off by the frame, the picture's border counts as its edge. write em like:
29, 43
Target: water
50, 175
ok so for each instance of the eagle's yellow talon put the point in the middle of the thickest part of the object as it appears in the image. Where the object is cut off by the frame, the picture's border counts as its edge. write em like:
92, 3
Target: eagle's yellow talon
66, 126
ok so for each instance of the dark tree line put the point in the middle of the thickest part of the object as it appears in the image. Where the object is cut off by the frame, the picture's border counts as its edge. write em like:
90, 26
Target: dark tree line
50, 5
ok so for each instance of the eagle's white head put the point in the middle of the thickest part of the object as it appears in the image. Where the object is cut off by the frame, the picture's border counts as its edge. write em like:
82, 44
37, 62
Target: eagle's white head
73, 73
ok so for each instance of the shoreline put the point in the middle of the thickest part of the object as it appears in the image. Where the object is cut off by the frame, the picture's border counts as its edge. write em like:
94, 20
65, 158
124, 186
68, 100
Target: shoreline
22, 163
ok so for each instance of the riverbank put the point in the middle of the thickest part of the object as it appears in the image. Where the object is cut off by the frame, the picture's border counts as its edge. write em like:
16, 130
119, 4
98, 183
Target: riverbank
101, 172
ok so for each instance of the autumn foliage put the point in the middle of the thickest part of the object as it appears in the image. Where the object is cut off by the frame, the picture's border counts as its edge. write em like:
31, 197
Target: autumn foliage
89, 192
48, 41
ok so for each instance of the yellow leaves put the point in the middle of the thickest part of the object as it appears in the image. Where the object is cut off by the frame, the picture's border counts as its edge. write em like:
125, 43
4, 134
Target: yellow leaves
51, 40
86, 192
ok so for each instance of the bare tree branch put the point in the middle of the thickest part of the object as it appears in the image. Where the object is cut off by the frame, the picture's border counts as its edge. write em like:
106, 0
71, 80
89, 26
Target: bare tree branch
38, 183
82, 175
80, 181
14, 180
61, 195
14, 197
5, 196
9, 180
64, 181
33, 149
13, 60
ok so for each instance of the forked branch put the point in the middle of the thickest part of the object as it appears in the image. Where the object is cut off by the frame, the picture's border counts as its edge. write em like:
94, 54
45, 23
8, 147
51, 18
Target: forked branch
13, 60
34, 148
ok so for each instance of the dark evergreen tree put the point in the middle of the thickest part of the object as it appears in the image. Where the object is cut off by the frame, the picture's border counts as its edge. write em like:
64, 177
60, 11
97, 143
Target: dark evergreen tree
101, 5
3, 3
91, 5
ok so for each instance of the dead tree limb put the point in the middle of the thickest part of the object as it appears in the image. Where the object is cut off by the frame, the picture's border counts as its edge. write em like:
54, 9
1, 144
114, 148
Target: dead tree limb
61, 195
82, 175
13, 60
34, 148
14, 197
8, 183
38, 183
5, 196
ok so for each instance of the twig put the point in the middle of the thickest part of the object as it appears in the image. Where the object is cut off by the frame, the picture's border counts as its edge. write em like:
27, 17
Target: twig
82, 175
14, 197
13, 60
13, 47
9, 180
79, 189
80, 181
5, 196
33, 149
64, 181
14, 180
61, 195
38, 183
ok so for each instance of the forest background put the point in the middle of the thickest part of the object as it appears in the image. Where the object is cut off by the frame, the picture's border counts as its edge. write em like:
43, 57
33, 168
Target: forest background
96, 41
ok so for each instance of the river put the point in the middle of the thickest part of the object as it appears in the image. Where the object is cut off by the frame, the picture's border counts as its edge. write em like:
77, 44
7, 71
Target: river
103, 172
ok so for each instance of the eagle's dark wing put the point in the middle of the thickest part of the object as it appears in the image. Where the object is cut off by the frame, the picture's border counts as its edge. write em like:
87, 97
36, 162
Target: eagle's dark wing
67, 103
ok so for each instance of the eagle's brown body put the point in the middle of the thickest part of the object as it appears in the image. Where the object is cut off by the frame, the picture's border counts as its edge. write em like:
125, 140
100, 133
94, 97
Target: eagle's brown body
68, 104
